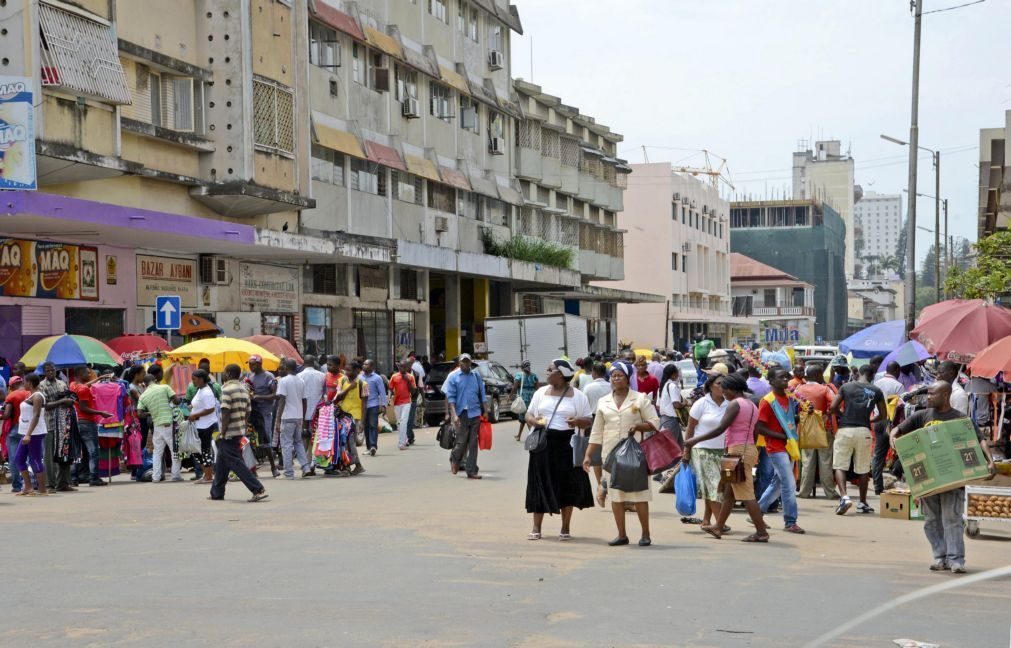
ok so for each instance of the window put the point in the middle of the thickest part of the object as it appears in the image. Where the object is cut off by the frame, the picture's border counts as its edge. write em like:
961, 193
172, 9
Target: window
324, 48
441, 105
368, 177
359, 65
673, 261
406, 187
472, 24
408, 284
684, 263
496, 212
570, 152
379, 73
167, 101
441, 197
674, 212
495, 40
798, 296
550, 145
770, 297
469, 114
318, 329
468, 204
273, 116
320, 279
327, 165
438, 9
407, 83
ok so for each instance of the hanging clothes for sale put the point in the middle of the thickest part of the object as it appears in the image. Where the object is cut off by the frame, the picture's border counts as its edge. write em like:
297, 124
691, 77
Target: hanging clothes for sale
110, 396
332, 430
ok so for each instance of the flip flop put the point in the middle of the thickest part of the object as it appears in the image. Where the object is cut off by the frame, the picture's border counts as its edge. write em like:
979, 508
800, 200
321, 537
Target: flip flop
564, 537
711, 531
754, 537
690, 520
258, 497
30, 493
533, 535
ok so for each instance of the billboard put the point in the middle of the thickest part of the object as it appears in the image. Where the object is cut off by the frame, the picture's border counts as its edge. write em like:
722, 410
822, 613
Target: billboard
17, 134
48, 270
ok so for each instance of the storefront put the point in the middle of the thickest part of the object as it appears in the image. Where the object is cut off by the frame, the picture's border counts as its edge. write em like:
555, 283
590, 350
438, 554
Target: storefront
274, 292
374, 337
52, 287
318, 330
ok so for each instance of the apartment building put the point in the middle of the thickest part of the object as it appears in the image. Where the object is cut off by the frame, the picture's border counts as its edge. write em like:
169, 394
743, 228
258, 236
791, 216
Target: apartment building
879, 217
321, 170
824, 173
993, 204
677, 242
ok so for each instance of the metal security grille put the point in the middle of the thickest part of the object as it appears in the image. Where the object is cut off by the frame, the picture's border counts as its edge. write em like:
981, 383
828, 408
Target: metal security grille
528, 135
546, 230
569, 234
619, 245
81, 55
273, 116
526, 224
550, 146
570, 151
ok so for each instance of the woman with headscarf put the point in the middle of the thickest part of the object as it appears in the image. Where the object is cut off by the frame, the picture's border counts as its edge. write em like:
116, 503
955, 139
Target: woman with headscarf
621, 414
554, 485
525, 384
670, 401
704, 456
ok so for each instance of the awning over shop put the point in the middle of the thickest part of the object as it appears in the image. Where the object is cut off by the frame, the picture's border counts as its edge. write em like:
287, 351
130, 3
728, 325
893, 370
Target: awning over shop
482, 184
336, 139
421, 62
454, 79
508, 192
591, 150
509, 104
510, 16
602, 294
384, 155
454, 178
335, 18
423, 167
482, 90
384, 42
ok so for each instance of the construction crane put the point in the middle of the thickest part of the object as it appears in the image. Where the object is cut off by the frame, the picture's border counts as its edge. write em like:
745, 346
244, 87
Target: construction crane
716, 173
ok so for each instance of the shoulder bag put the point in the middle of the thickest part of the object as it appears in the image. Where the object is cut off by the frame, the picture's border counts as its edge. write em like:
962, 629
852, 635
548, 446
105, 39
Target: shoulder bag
661, 449
537, 440
732, 467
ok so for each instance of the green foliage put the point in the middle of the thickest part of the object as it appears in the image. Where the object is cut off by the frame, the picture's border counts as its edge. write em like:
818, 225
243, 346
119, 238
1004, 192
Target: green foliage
533, 250
990, 277
925, 296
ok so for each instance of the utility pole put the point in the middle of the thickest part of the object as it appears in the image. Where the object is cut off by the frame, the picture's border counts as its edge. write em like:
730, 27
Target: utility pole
937, 225
947, 244
914, 150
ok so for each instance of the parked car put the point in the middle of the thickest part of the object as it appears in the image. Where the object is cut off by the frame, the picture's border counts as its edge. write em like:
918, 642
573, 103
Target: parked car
498, 384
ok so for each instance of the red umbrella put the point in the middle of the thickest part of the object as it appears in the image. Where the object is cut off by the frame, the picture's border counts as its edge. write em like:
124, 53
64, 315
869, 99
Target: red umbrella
959, 329
143, 343
992, 360
276, 345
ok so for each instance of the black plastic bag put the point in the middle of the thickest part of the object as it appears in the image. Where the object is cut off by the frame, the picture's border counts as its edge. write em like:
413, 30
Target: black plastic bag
627, 466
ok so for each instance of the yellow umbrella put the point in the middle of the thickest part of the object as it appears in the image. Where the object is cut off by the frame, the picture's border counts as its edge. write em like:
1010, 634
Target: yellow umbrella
223, 351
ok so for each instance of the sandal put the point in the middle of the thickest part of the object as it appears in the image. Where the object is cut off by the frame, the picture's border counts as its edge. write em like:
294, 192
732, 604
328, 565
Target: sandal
691, 520
262, 495
534, 535
30, 493
564, 537
711, 531
793, 528
754, 537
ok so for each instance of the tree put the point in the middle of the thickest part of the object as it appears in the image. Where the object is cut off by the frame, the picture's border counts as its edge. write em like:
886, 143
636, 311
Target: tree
873, 265
990, 277
925, 296
926, 278
888, 263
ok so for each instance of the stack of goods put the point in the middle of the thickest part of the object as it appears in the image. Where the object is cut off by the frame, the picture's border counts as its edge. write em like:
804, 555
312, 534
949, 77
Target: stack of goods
333, 429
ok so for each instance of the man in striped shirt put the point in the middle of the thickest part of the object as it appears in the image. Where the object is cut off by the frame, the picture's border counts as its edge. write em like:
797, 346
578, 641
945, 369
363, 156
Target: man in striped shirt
235, 405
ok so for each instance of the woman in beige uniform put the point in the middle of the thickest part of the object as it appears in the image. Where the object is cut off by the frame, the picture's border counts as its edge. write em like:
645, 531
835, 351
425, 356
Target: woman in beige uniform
620, 414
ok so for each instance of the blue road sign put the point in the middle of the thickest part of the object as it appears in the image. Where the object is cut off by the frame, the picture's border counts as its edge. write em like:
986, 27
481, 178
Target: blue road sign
169, 311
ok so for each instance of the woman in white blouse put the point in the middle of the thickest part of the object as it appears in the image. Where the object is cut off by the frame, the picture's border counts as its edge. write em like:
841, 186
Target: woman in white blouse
554, 485
705, 416
203, 414
621, 414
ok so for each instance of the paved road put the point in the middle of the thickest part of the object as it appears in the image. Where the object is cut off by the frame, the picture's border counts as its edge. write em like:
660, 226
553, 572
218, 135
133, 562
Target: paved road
410, 555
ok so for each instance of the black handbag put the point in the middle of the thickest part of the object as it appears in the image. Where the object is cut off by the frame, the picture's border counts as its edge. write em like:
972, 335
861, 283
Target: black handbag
446, 436
537, 440
580, 442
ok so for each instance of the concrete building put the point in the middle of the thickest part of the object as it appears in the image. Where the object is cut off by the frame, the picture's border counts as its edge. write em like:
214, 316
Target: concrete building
825, 174
783, 304
994, 181
804, 238
676, 245
879, 217
324, 170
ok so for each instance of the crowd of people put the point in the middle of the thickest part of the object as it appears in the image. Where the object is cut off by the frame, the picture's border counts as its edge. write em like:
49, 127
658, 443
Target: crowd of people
66, 428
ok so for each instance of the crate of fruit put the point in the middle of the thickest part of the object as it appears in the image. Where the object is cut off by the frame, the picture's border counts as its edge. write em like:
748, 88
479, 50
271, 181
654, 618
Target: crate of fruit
986, 504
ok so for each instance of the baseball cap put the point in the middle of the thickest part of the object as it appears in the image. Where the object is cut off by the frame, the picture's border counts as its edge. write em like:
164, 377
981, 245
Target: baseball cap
256, 358
465, 356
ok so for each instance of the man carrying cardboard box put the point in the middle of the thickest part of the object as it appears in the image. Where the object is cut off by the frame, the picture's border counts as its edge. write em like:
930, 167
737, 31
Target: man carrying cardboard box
943, 512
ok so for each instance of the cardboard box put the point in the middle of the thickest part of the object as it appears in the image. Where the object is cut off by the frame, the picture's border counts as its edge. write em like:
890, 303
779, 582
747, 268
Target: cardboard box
941, 457
900, 505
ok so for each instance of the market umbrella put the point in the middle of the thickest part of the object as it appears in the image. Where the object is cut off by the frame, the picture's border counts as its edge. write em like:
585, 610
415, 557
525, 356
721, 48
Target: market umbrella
909, 353
143, 343
70, 351
222, 352
276, 345
878, 339
992, 360
958, 329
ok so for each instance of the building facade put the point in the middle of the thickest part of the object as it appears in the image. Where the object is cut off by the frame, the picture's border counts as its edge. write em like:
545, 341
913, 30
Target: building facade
806, 239
677, 245
994, 186
328, 171
879, 217
782, 304
825, 174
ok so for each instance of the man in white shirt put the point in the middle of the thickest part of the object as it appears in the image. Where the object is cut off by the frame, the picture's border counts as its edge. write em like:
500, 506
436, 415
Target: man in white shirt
313, 386
290, 416
948, 372
597, 389
889, 383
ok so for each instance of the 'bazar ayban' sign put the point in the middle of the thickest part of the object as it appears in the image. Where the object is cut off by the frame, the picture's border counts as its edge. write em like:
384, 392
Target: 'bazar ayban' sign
47, 269
157, 275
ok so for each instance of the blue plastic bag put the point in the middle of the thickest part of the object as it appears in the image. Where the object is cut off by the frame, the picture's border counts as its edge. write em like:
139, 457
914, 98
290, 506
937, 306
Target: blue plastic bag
684, 491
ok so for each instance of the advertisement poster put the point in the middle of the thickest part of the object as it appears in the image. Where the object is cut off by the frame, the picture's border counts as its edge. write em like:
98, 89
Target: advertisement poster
48, 270
17, 134
268, 289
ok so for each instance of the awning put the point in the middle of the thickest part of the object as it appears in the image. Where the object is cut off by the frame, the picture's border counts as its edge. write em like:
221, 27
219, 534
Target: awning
421, 62
510, 16
592, 150
334, 18
482, 91
454, 178
384, 42
336, 140
384, 155
509, 105
455, 80
508, 192
423, 167
610, 160
482, 184
623, 168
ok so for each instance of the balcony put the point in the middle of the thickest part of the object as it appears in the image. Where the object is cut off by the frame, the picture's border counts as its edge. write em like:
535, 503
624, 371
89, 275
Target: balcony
783, 311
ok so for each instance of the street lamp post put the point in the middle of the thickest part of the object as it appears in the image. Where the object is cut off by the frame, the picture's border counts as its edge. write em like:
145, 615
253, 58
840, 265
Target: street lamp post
937, 225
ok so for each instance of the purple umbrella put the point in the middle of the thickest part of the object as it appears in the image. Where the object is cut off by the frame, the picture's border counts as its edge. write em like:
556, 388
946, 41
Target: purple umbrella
909, 353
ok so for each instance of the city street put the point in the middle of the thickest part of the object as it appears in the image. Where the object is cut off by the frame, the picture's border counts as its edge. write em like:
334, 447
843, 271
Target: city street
410, 555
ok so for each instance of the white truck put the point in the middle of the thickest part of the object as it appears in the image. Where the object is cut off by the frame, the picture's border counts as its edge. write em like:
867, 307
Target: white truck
537, 338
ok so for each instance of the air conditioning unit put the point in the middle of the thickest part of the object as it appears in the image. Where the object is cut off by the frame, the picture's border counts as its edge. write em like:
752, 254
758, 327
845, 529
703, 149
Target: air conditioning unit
685, 200
411, 108
213, 270
496, 60
705, 209
496, 146
677, 196
441, 224
688, 246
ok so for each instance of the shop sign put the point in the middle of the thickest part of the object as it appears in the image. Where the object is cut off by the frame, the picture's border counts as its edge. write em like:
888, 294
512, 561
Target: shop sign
158, 275
48, 270
17, 134
268, 289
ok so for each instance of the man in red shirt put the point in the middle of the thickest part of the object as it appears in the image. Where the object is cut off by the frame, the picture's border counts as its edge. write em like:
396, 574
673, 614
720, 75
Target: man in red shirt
819, 461
333, 377
11, 437
775, 410
404, 388
87, 423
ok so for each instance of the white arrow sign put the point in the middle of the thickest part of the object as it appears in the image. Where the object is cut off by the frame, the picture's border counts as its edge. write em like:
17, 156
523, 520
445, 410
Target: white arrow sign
166, 312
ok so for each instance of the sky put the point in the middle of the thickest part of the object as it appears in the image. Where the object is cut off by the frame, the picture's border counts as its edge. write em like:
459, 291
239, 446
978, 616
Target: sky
748, 79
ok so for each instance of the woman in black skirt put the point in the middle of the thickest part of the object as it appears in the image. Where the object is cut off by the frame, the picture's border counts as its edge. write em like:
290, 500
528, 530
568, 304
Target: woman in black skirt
554, 485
